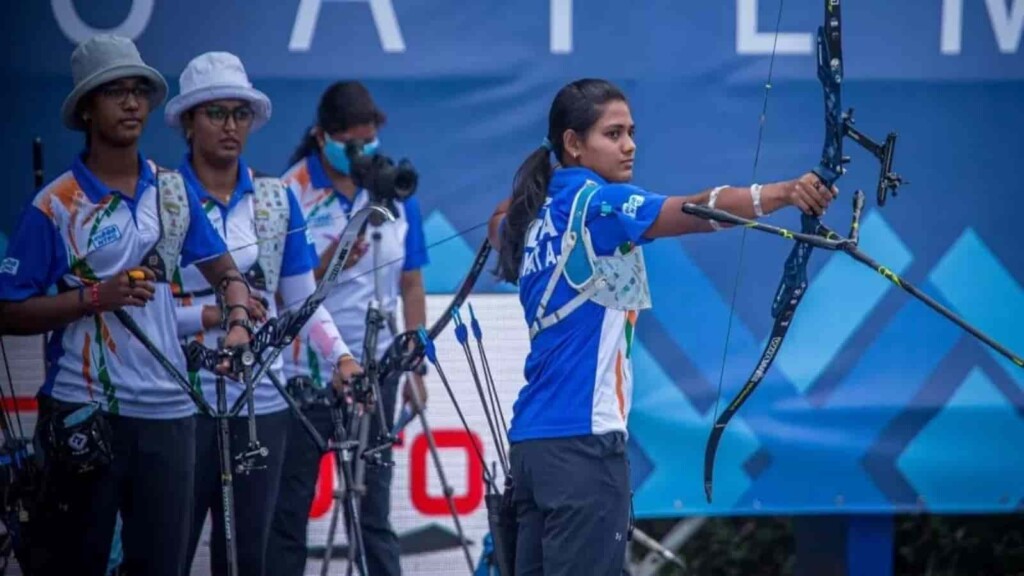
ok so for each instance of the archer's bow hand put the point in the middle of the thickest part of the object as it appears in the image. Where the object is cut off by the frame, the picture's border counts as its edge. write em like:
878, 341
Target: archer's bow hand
234, 345
345, 372
806, 193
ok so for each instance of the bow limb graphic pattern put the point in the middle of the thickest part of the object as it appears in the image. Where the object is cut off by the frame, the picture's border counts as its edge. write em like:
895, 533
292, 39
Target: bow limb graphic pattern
814, 234
838, 125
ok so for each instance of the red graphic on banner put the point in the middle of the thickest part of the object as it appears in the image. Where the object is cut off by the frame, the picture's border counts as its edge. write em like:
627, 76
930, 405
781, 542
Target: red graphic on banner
419, 466
419, 463
323, 497
21, 404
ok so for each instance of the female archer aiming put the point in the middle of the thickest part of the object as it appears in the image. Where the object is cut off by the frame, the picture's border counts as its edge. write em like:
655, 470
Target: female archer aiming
570, 237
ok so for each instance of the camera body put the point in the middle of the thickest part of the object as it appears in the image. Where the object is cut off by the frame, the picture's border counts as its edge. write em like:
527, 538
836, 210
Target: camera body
380, 176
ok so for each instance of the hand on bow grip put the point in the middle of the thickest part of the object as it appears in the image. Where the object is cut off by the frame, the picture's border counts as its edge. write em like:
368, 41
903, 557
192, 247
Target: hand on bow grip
225, 361
345, 373
236, 361
810, 194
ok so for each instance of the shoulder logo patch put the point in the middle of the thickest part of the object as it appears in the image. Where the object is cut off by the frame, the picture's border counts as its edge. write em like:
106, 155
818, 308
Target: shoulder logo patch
630, 206
10, 266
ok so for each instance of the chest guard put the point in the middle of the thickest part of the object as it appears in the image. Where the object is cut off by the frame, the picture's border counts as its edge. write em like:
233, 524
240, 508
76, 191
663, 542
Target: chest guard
617, 281
271, 214
173, 211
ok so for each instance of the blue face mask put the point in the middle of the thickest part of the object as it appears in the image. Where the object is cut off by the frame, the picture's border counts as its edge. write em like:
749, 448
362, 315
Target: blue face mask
334, 151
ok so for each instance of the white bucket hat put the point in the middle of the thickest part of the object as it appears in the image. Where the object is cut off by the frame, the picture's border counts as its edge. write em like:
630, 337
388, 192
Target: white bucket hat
216, 76
101, 59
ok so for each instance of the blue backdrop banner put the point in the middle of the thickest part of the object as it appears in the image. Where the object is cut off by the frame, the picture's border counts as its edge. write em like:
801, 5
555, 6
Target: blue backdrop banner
875, 403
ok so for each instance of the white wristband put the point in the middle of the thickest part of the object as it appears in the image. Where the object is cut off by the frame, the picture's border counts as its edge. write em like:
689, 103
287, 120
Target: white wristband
711, 204
755, 196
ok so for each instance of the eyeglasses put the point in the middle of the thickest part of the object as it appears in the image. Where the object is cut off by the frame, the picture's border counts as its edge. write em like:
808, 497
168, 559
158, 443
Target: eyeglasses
119, 93
218, 115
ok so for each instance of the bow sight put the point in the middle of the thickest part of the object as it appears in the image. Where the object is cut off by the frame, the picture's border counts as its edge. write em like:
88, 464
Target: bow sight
839, 125
888, 181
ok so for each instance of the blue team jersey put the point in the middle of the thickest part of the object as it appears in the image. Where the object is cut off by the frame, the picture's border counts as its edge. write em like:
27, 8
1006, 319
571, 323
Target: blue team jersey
578, 373
78, 231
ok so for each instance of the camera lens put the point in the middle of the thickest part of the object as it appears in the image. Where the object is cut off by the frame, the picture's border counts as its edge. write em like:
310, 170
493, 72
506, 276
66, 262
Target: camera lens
406, 179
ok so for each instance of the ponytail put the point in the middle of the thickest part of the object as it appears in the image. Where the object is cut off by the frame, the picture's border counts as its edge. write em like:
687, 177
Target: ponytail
529, 189
576, 107
307, 146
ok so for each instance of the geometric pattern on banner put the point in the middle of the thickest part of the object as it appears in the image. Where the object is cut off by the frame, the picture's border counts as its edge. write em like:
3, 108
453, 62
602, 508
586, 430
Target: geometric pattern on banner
871, 452
841, 297
659, 418
449, 260
957, 434
971, 279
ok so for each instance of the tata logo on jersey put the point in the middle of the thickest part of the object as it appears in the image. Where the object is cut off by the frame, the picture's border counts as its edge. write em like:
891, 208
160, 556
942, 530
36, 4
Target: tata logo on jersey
420, 468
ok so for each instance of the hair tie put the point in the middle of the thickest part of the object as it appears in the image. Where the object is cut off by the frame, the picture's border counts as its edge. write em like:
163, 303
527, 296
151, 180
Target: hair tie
546, 144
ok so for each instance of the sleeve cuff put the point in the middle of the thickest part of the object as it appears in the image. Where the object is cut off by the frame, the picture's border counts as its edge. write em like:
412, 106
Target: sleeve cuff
190, 320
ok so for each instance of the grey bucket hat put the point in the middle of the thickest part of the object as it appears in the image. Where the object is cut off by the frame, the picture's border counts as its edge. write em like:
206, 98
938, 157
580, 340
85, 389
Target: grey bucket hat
99, 60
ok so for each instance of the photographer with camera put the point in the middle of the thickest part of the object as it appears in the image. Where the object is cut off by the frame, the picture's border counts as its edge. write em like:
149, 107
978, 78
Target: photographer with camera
336, 171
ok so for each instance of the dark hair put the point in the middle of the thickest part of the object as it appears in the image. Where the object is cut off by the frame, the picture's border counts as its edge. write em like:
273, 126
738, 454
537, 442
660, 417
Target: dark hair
576, 107
343, 105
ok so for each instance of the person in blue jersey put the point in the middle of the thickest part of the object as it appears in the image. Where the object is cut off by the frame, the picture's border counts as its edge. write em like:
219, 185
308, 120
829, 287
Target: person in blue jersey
116, 432
261, 222
386, 269
570, 236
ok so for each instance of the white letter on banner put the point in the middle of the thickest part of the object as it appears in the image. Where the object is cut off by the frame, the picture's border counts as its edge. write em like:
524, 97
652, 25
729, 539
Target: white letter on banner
751, 42
1007, 24
78, 31
561, 26
384, 19
952, 26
